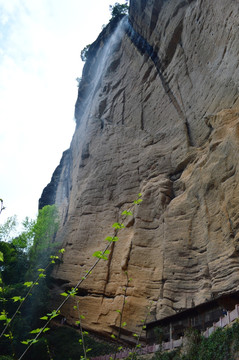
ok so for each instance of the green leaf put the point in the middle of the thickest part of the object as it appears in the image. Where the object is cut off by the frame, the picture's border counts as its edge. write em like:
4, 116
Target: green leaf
42, 276
80, 341
25, 342
98, 254
118, 311
64, 294
127, 213
62, 251
41, 270
118, 226
44, 318
17, 298
54, 257
112, 238
88, 350
73, 292
120, 348
135, 335
139, 195
124, 324
113, 336
101, 255
53, 314
36, 331
77, 322
138, 201
3, 317
85, 333
82, 317
28, 283
46, 329
1, 256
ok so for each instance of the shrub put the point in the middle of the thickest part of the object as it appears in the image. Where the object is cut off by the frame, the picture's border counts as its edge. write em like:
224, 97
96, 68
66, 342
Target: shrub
119, 9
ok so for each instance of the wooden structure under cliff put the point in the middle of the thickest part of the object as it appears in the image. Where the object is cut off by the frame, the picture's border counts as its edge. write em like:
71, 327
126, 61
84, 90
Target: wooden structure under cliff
157, 113
201, 318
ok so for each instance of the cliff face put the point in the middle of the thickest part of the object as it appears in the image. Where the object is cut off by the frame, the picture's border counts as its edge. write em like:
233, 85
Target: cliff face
157, 113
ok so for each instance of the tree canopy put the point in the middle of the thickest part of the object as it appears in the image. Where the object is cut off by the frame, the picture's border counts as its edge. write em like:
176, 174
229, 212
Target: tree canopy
119, 9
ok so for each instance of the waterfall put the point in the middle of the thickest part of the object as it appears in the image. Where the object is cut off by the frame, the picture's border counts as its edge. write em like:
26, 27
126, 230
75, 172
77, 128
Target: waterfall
96, 74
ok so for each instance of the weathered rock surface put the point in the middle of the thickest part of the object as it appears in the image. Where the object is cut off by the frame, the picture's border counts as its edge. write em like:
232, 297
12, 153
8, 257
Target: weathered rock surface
158, 115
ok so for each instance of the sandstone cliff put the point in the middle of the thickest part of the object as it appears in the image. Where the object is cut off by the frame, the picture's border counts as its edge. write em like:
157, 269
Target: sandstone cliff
157, 113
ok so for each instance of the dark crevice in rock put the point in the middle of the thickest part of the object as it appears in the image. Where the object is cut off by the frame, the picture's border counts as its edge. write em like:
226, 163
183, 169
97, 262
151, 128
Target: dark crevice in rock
175, 176
155, 13
79, 291
82, 292
172, 45
102, 106
113, 66
186, 123
123, 108
59, 282
108, 266
142, 117
85, 152
145, 48
147, 73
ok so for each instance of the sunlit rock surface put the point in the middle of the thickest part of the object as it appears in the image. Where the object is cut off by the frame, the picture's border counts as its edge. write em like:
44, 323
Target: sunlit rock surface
157, 113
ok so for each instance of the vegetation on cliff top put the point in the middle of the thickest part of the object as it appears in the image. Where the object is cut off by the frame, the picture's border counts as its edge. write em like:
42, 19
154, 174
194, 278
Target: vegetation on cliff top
116, 10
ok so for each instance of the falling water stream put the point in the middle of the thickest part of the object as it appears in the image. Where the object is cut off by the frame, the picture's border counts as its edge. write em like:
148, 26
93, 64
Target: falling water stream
100, 68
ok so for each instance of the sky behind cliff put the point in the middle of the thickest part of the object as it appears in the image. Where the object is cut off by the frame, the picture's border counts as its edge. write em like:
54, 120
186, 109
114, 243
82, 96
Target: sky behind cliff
40, 45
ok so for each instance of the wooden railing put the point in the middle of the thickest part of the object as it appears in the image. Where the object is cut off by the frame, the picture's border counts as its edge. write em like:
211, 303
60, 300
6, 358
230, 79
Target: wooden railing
170, 345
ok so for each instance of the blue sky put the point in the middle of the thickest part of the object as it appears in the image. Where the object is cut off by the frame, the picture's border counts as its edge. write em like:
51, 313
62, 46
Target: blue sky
40, 45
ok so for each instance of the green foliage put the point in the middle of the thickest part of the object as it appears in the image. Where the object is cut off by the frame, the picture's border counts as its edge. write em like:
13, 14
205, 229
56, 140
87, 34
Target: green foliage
111, 238
101, 254
223, 344
44, 231
25, 239
217, 347
127, 213
8, 229
41, 233
15, 263
118, 226
119, 9
15, 250
64, 344
172, 355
